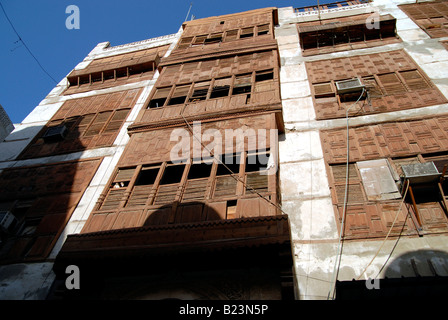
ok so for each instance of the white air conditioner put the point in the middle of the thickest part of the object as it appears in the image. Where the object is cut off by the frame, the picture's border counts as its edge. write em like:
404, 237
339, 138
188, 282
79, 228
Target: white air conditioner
6, 220
55, 133
349, 86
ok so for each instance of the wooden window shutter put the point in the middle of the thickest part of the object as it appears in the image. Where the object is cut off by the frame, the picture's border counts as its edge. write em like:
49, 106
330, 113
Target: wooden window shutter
179, 95
242, 84
225, 186
159, 97
200, 90
221, 88
391, 83
372, 87
213, 38
117, 191
231, 35
355, 193
257, 181
322, 90
247, 32
143, 188
162, 93
116, 120
414, 80
263, 29
124, 175
243, 80
184, 42
181, 91
199, 40
98, 123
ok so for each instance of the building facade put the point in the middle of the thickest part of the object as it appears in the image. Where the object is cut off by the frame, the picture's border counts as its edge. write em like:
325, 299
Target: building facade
256, 155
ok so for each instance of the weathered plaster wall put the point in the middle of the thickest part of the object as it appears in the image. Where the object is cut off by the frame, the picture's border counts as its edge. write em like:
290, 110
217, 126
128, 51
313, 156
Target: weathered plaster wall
305, 189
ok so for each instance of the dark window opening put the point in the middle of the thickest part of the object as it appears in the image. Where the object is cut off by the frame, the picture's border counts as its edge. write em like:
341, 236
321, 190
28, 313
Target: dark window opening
157, 103
200, 91
200, 94
179, 95
177, 100
220, 91
147, 176
257, 162
353, 96
172, 174
29, 226
199, 170
97, 77
214, 38
230, 162
264, 75
122, 72
242, 89
108, 75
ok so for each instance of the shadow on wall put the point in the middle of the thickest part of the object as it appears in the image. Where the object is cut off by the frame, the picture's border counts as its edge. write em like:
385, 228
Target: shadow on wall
37, 199
420, 263
207, 258
420, 273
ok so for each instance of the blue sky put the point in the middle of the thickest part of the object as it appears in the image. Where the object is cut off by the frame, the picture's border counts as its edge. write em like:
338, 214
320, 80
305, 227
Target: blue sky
41, 26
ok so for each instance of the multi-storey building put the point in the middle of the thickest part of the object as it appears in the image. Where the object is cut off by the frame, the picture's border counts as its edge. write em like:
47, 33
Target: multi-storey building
258, 155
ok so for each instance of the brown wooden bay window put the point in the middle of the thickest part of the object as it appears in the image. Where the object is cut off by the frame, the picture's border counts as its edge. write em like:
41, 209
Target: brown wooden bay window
164, 183
240, 84
379, 88
229, 35
374, 194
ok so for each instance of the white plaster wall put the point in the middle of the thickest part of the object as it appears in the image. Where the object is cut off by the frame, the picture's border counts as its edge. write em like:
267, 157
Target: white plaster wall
304, 184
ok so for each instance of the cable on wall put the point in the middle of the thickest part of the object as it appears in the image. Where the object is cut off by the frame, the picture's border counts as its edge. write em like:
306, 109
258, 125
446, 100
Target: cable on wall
337, 263
232, 174
388, 233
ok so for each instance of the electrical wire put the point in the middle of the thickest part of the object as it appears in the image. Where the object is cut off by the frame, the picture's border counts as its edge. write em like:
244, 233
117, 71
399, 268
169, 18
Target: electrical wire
339, 253
24, 44
232, 174
388, 233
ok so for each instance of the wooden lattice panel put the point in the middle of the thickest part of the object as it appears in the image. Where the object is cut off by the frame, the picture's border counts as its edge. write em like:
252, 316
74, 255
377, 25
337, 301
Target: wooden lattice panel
387, 140
52, 192
91, 122
432, 16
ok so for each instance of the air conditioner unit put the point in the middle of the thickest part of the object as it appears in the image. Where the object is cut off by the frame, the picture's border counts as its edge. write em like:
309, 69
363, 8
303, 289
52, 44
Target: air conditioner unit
55, 133
421, 172
349, 86
6, 220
